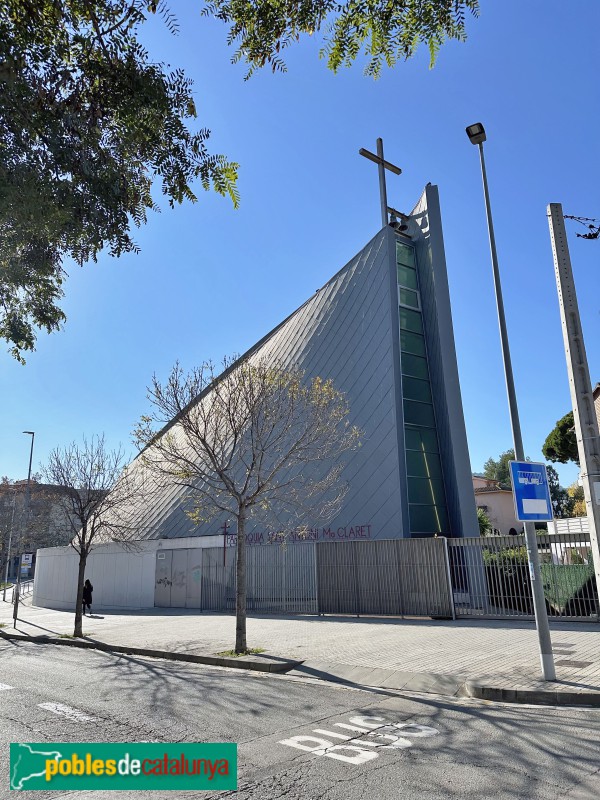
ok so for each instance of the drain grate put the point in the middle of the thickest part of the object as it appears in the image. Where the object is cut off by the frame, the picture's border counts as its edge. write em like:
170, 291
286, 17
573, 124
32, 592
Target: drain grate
576, 664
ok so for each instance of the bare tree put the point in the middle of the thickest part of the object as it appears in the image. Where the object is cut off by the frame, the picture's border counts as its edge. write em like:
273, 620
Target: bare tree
257, 440
96, 495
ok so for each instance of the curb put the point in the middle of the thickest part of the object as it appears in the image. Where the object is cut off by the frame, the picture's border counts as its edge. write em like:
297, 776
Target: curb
448, 685
468, 689
543, 697
258, 665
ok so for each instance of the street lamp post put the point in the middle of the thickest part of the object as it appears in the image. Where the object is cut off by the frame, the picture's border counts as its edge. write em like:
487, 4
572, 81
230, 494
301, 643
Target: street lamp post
9, 553
24, 525
476, 134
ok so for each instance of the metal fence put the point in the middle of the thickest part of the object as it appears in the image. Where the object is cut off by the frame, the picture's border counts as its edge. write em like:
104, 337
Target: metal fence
278, 579
478, 577
490, 576
394, 577
25, 589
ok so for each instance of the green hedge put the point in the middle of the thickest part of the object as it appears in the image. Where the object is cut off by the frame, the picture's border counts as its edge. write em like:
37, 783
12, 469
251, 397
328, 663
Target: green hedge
569, 588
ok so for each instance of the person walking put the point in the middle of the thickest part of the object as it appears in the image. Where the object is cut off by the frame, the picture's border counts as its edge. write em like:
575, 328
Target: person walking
87, 596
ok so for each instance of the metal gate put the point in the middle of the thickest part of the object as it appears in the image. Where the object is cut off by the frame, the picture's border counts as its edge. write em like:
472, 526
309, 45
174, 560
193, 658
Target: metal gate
178, 579
387, 577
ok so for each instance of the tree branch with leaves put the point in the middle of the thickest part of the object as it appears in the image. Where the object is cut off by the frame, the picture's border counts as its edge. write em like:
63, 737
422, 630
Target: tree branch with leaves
88, 124
385, 32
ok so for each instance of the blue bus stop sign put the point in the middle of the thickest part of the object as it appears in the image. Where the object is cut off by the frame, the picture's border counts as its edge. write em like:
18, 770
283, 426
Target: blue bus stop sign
531, 491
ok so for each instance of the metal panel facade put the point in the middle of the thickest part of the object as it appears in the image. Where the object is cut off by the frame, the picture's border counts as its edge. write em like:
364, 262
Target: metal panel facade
348, 331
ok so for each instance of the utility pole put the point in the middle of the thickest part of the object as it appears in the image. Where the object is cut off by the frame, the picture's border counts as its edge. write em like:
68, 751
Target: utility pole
10, 533
584, 413
17, 588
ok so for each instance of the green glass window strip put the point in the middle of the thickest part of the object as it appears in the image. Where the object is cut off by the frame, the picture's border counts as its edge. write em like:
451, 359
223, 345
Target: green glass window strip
412, 343
407, 277
410, 320
405, 255
425, 491
422, 439
415, 366
428, 519
409, 298
423, 465
419, 413
416, 389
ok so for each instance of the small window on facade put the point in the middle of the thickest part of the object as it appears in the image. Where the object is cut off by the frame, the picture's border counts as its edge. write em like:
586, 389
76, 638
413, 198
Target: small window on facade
428, 519
423, 465
419, 413
426, 491
422, 439
408, 298
407, 277
416, 389
405, 254
410, 320
412, 343
415, 366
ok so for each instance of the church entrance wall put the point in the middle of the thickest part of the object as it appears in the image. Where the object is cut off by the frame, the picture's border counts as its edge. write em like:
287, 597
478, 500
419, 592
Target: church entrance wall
178, 578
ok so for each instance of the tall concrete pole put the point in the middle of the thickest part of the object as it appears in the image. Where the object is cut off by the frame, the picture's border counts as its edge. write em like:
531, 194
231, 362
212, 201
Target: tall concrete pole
10, 534
584, 413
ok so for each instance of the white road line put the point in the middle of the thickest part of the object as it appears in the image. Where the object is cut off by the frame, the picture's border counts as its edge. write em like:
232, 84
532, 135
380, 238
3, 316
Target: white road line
352, 728
5, 686
331, 733
66, 711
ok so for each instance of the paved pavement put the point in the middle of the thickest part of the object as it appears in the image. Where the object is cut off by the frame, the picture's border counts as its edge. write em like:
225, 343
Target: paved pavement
484, 658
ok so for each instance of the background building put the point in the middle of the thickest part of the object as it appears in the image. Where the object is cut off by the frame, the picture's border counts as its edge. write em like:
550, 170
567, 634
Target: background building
44, 526
499, 505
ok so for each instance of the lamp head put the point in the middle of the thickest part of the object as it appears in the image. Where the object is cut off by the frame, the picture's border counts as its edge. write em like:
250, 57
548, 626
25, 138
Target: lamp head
476, 133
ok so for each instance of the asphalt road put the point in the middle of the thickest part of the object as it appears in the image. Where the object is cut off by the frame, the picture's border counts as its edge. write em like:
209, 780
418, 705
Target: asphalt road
442, 749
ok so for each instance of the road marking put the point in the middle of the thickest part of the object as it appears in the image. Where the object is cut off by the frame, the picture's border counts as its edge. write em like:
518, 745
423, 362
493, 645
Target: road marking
5, 686
67, 711
384, 735
350, 727
331, 733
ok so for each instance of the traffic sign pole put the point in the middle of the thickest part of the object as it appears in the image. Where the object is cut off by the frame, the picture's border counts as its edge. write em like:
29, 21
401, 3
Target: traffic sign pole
531, 493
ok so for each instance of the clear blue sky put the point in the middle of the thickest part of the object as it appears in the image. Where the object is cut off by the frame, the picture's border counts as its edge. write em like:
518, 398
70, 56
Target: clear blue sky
211, 281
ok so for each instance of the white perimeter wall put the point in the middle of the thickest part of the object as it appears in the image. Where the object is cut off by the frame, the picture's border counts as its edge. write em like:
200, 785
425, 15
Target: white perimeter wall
121, 577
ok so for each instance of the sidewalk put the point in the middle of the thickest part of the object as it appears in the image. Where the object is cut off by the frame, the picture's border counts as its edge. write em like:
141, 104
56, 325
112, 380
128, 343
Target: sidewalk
489, 659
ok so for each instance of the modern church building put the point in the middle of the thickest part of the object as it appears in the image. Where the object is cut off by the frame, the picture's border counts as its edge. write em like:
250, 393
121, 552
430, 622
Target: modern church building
381, 329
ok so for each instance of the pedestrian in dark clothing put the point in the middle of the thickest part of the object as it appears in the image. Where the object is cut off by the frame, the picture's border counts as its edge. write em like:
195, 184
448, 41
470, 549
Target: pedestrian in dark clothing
87, 596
